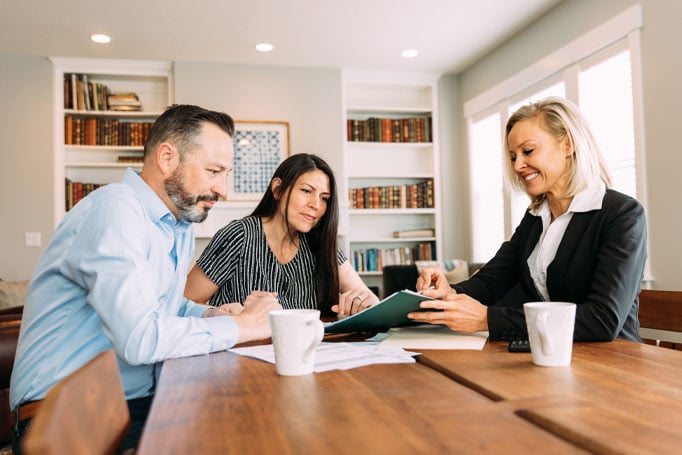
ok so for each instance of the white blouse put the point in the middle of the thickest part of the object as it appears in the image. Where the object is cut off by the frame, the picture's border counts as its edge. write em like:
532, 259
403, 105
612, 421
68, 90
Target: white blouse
553, 231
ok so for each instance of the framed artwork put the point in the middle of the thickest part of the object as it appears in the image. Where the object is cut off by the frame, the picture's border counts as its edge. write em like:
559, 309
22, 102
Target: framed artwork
259, 147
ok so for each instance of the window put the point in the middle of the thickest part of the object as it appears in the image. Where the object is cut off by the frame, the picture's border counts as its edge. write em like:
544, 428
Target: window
600, 81
487, 204
605, 96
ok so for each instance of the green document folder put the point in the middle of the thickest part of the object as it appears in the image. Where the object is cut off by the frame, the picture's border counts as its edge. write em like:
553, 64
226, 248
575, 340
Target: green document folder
390, 312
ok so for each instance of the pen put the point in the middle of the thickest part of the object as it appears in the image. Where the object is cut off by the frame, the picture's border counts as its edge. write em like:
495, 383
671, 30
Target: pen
430, 287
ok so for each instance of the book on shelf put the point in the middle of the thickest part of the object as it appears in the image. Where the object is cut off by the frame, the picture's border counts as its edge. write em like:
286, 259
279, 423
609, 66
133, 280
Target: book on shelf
411, 233
75, 191
375, 259
104, 131
410, 196
124, 102
375, 129
130, 159
83, 94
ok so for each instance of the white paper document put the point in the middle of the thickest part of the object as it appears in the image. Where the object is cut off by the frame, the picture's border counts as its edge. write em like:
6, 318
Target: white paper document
433, 337
338, 356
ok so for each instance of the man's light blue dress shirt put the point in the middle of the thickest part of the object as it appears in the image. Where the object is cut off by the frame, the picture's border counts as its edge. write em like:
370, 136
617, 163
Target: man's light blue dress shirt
113, 275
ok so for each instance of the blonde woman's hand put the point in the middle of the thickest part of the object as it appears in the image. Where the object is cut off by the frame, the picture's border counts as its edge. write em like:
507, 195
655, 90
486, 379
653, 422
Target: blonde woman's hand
459, 312
432, 283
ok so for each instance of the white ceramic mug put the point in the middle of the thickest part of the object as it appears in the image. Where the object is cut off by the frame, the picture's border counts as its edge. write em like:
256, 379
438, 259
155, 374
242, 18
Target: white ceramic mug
550, 331
295, 335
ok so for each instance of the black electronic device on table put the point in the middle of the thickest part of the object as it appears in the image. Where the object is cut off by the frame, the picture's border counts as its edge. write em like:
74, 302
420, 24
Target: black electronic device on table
519, 346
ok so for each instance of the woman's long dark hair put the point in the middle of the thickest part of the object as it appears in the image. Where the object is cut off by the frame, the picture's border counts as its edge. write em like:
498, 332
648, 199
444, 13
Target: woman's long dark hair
322, 238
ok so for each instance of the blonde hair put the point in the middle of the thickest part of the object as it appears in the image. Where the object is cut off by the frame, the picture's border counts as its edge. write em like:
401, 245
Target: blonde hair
561, 118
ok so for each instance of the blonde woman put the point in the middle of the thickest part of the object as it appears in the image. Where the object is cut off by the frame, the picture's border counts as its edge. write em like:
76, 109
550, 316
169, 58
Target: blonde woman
579, 241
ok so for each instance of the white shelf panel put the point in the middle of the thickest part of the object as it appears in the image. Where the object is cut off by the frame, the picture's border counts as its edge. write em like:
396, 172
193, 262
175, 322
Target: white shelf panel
373, 178
390, 145
361, 109
114, 114
370, 273
387, 212
104, 148
392, 240
383, 227
387, 160
96, 164
99, 174
388, 97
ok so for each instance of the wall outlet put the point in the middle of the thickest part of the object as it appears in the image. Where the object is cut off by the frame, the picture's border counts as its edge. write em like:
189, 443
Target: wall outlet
32, 239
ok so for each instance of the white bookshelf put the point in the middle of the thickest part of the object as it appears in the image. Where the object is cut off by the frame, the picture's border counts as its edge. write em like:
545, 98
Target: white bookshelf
152, 81
369, 164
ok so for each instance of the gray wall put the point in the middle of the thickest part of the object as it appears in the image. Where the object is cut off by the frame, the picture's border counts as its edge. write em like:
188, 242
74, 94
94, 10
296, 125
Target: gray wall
662, 73
26, 161
454, 174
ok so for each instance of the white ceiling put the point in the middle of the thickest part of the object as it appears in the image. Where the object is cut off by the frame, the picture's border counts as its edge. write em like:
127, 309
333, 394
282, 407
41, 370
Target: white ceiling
450, 35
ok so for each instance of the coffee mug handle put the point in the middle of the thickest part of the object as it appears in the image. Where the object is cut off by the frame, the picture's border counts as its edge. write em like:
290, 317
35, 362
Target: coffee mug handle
541, 324
318, 335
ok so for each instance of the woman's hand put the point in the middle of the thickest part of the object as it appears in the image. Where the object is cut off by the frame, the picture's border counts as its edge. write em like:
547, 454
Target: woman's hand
460, 313
432, 283
354, 301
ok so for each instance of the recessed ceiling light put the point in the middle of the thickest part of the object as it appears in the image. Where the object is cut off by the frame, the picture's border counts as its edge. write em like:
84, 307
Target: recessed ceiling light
264, 47
409, 53
101, 39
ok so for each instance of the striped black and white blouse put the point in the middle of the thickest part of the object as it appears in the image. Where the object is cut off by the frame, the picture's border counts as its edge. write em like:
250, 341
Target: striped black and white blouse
238, 260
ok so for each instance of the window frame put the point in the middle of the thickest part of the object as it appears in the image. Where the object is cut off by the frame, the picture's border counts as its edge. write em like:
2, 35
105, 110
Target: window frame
610, 38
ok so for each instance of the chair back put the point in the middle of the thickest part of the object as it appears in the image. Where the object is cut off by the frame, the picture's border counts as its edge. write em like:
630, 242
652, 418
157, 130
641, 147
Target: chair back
660, 317
399, 277
9, 336
86, 413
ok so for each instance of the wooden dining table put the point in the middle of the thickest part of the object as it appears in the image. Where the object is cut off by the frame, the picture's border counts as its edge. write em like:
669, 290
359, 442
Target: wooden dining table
617, 397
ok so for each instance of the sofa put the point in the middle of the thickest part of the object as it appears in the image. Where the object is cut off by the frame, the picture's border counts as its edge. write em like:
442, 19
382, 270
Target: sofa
12, 297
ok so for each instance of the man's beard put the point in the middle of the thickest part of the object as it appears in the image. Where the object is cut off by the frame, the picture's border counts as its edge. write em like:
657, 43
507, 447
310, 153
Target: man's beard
186, 202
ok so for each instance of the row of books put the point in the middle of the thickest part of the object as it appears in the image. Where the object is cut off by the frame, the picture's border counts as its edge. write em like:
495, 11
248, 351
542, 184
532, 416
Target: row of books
409, 196
75, 191
104, 131
130, 159
81, 94
375, 129
375, 259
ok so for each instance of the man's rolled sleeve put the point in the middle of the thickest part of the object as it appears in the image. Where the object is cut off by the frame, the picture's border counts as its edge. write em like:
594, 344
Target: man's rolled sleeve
224, 332
194, 310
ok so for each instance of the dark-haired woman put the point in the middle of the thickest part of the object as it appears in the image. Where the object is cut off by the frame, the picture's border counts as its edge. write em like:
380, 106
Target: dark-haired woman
287, 246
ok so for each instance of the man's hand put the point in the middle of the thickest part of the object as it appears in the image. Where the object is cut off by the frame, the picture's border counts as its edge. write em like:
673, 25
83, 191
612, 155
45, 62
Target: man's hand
253, 320
229, 309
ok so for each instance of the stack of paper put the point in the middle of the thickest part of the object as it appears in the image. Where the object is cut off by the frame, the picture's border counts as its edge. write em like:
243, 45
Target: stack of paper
433, 337
338, 356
